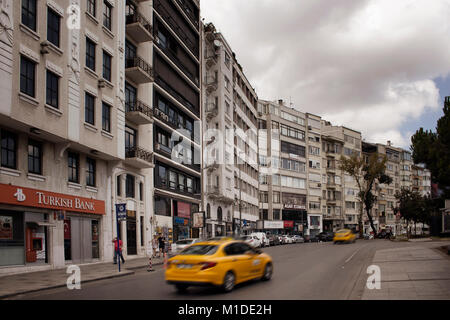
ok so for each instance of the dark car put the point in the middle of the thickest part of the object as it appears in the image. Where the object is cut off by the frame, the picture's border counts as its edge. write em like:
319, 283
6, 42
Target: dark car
313, 238
274, 240
326, 236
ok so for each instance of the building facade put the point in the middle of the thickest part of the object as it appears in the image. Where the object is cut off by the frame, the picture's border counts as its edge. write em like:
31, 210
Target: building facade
59, 135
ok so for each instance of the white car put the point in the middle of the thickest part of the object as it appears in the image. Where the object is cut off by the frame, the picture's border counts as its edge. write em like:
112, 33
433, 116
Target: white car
178, 246
297, 239
262, 237
252, 240
287, 239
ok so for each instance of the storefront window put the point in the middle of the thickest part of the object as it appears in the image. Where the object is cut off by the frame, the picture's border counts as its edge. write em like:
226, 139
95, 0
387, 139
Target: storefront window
162, 206
12, 246
95, 239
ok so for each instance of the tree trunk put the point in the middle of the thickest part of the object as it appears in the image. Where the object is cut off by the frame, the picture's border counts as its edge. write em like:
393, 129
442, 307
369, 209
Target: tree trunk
371, 224
360, 222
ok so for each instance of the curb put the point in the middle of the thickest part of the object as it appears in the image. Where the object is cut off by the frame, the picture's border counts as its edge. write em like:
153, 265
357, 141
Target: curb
144, 266
63, 285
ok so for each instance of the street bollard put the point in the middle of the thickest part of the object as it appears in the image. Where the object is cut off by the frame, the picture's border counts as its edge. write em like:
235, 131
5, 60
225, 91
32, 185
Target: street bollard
150, 267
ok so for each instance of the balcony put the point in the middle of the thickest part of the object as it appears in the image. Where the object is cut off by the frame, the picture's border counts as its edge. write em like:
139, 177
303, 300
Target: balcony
211, 84
331, 184
331, 169
138, 71
160, 115
164, 150
138, 112
139, 158
211, 59
139, 28
212, 166
212, 110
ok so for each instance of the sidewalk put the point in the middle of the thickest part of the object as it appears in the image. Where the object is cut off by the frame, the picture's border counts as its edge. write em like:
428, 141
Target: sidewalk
411, 273
36, 281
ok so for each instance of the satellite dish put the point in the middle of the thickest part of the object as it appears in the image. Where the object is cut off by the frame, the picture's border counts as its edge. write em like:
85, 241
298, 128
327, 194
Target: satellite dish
217, 43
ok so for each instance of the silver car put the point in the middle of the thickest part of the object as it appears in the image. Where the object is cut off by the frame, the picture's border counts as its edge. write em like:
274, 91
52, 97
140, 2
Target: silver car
298, 239
178, 246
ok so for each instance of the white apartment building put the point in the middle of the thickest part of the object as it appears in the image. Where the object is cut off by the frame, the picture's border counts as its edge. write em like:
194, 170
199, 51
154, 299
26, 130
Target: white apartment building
230, 141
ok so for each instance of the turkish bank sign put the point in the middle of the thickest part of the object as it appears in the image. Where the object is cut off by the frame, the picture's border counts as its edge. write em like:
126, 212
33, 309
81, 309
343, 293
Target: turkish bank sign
50, 200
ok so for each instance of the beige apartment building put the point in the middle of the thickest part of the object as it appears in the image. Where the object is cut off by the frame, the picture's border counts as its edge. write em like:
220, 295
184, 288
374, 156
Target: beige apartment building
60, 132
340, 203
399, 167
230, 140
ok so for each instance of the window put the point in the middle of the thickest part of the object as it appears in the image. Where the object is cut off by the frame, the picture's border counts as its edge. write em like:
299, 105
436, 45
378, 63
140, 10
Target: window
130, 138
141, 191
292, 149
129, 186
119, 186
27, 76
227, 59
29, 13
89, 109
9, 147
91, 7
190, 185
107, 66
53, 27
314, 164
276, 197
90, 172
34, 157
314, 150
107, 8
172, 180
90, 54
162, 206
74, 167
52, 97
106, 117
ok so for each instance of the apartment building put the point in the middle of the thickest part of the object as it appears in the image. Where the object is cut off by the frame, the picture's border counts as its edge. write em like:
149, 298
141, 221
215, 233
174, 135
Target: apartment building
177, 136
399, 167
60, 132
230, 126
340, 203
283, 159
421, 179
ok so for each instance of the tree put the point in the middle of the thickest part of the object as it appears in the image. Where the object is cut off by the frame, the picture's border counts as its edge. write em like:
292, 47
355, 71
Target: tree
366, 174
433, 149
413, 207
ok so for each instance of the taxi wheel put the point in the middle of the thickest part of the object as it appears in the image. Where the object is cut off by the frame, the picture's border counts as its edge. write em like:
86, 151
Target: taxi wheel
228, 282
181, 287
268, 270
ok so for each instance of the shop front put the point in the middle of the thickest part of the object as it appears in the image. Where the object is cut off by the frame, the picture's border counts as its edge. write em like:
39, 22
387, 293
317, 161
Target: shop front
273, 226
29, 220
294, 209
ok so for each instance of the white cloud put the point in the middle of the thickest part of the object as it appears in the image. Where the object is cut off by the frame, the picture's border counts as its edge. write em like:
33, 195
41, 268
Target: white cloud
368, 64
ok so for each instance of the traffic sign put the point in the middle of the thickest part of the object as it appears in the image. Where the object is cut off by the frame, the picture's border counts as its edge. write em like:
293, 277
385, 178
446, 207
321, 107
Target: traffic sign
121, 211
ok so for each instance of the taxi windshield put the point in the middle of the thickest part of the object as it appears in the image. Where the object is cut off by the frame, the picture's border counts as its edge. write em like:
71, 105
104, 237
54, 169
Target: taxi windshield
200, 250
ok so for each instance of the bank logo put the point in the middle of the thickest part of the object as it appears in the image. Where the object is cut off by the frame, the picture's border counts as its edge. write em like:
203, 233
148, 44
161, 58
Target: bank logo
19, 195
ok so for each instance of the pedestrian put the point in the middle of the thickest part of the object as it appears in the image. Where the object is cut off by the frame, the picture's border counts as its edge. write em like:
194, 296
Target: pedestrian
118, 250
155, 246
161, 245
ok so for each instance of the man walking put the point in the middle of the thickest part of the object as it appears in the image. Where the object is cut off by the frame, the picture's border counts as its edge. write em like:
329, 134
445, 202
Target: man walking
161, 246
118, 250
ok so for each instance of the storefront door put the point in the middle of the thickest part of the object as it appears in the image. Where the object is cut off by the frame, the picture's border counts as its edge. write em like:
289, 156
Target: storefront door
81, 239
131, 236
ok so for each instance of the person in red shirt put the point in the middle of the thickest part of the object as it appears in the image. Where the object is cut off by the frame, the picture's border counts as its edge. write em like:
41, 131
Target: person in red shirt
118, 251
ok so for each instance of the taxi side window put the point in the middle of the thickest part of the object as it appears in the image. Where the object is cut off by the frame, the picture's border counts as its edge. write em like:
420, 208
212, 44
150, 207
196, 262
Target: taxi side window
236, 249
230, 249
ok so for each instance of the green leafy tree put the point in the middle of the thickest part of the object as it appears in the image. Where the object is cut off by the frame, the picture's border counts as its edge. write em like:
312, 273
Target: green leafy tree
366, 175
433, 149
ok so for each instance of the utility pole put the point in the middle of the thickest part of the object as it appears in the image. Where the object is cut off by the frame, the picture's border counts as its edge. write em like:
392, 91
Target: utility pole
240, 202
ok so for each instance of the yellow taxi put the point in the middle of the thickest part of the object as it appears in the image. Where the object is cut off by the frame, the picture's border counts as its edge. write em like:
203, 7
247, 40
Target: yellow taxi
222, 263
344, 235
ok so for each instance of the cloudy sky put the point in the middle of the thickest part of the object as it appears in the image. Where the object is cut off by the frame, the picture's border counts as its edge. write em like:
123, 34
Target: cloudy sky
378, 66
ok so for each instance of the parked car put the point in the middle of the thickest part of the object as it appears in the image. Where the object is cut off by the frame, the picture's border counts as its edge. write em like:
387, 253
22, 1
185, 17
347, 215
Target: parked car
252, 240
298, 239
262, 238
287, 239
313, 238
183, 243
344, 236
326, 236
274, 240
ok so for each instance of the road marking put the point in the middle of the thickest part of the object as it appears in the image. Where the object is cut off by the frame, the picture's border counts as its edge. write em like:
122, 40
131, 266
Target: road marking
350, 258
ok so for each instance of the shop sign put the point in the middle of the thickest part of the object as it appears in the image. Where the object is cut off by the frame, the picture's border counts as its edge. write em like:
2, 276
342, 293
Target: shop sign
184, 209
198, 219
273, 224
294, 206
182, 221
121, 211
288, 224
50, 200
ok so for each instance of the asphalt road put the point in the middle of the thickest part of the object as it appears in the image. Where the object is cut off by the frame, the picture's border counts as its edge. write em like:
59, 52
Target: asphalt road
301, 271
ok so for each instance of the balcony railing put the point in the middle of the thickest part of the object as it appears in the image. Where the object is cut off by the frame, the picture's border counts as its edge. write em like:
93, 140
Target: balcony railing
138, 70
139, 27
139, 157
211, 111
187, 11
211, 84
138, 112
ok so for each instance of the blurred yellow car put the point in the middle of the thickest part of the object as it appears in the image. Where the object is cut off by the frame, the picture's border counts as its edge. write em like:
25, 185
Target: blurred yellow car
344, 235
218, 263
